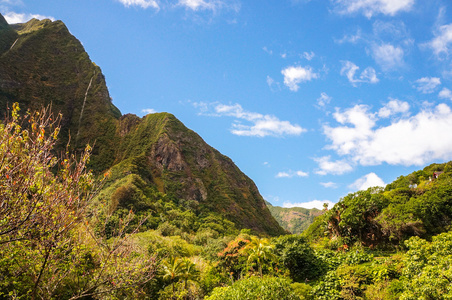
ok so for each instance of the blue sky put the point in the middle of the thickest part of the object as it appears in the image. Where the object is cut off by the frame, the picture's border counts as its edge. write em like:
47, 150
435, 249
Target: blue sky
311, 99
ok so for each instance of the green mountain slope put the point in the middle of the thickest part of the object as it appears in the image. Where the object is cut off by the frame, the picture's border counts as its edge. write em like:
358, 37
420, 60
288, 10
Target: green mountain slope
294, 219
42, 64
154, 159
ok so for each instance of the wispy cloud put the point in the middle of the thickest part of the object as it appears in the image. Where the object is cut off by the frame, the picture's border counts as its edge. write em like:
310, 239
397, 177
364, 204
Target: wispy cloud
323, 100
272, 84
267, 50
309, 205
212, 5
293, 76
291, 174
308, 55
14, 18
445, 94
367, 181
326, 166
329, 185
388, 56
349, 70
350, 38
141, 3
148, 111
259, 125
408, 140
442, 43
193, 5
427, 85
372, 7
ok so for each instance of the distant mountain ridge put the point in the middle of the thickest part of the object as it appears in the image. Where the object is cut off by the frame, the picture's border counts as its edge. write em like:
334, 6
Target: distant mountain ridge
294, 219
42, 64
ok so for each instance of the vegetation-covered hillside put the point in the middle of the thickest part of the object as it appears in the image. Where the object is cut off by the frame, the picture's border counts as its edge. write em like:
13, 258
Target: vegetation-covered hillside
42, 64
294, 219
418, 204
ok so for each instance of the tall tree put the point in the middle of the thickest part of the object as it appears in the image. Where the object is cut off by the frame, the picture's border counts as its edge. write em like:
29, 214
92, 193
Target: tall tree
260, 251
47, 246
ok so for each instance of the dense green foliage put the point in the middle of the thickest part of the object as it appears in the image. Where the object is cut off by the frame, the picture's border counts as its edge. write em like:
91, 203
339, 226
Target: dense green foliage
415, 205
48, 248
271, 288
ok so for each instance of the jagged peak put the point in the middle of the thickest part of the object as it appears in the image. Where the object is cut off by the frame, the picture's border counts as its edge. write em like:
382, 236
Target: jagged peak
3, 22
35, 25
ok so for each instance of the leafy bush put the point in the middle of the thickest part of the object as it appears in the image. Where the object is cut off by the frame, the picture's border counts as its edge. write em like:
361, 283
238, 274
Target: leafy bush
269, 288
298, 258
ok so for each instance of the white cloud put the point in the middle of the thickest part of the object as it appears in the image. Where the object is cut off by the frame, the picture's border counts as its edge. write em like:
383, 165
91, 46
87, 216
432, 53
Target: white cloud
442, 41
293, 76
445, 94
367, 181
142, 3
427, 85
372, 7
148, 111
309, 205
291, 174
282, 175
211, 5
14, 18
329, 185
308, 55
323, 100
197, 4
193, 5
393, 107
369, 75
388, 56
327, 166
349, 69
410, 140
261, 125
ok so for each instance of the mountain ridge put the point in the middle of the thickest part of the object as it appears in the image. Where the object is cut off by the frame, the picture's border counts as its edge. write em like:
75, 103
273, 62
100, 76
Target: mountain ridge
43, 64
294, 219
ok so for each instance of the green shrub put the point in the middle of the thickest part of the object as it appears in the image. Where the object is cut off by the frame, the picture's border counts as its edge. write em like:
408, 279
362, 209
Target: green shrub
269, 288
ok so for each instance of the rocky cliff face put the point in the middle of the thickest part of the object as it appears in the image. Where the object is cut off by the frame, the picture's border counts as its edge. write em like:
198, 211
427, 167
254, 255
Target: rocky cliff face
185, 167
41, 64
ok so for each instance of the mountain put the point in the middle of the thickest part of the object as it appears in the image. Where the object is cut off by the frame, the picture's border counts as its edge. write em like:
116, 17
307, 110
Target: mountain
154, 159
41, 63
294, 219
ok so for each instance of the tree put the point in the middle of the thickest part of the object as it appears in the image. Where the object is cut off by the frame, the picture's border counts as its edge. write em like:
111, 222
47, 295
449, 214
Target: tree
175, 269
47, 246
260, 251
233, 259
298, 258
428, 274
